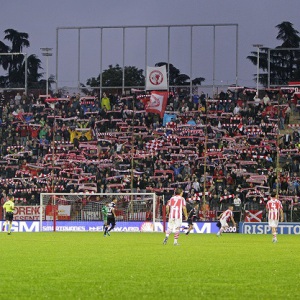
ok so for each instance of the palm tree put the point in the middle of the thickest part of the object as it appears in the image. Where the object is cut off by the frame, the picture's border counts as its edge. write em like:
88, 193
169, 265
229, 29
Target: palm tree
33, 66
4, 62
43, 83
4, 59
15, 64
18, 40
284, 64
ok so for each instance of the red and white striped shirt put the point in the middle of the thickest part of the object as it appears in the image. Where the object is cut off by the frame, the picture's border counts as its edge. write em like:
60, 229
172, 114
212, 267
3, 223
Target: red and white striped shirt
227, 214
176, 203
273, 206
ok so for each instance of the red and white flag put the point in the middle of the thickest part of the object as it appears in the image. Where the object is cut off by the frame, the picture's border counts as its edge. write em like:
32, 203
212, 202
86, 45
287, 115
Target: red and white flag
241, 127
156, 78
156, 103
154, 144
253, 215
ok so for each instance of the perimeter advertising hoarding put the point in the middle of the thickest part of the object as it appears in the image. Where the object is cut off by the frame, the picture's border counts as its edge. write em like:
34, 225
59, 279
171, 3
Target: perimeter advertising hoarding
199, 227
32, 213
34, 226
264, 228
28, 213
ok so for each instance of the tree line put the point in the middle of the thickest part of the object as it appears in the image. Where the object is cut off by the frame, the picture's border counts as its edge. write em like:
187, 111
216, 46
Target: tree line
284, 65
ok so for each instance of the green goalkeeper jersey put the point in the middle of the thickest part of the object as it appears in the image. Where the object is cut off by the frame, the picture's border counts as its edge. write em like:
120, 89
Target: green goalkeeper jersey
104, 212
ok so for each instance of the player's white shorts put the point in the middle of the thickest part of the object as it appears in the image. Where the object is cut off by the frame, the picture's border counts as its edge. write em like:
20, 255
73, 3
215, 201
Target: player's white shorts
224, 223
174, 223
273, 223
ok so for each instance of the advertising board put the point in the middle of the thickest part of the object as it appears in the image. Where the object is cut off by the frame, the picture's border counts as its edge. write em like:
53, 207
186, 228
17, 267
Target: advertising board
264, 228
34, 226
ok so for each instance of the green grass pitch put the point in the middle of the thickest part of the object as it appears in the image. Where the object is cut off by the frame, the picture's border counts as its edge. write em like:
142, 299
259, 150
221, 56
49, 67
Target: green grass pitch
85, 265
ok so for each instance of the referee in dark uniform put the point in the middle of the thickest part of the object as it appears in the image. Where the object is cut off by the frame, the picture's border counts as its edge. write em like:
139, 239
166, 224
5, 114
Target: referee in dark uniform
193, 214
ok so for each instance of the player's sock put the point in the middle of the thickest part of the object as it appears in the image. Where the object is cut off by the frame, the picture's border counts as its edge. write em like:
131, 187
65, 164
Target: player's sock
220, 232
166, 237
9, 228
176, 236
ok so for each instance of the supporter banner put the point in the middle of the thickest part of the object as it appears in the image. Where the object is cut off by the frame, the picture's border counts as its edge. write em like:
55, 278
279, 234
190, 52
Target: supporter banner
91, 215
50, 211
208, 214
157, 103
168, 118
28, 213
63, 212
264, 228
253, 215
137, 215
34, 226
156, 78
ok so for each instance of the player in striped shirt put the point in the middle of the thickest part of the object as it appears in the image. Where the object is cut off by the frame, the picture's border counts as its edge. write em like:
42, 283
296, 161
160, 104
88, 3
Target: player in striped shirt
175, 206
275, 211
224, 217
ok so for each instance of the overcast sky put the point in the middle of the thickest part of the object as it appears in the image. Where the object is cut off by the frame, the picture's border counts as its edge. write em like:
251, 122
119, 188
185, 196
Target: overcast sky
256, 24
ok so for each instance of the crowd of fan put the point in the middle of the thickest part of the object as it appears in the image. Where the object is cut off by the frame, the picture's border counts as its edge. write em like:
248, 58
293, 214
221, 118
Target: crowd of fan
221, 150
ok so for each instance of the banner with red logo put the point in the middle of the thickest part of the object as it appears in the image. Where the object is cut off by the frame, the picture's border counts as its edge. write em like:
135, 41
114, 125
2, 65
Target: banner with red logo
62, 212
156, 78
156, 103
253, 215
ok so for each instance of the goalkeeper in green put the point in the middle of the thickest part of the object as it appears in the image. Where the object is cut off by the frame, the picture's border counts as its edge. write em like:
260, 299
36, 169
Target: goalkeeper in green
104, 214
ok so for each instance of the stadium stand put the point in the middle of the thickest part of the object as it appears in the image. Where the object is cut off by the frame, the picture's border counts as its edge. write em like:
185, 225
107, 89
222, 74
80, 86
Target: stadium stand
214, 148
